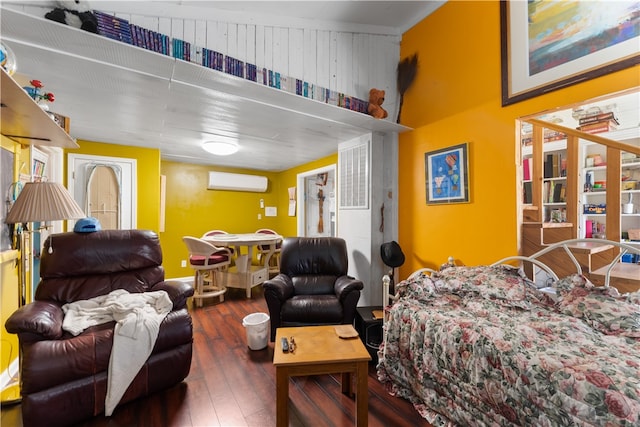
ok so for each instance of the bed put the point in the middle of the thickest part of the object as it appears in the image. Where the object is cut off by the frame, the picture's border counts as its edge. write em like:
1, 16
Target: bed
481, 345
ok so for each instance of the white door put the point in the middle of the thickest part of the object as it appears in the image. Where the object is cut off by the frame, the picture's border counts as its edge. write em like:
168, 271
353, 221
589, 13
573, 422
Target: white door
317, 203
87, 177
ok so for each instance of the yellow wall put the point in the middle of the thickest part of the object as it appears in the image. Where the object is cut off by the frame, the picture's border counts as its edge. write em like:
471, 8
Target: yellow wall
456, 98
148, 165
9, 287
192, 210
287, 225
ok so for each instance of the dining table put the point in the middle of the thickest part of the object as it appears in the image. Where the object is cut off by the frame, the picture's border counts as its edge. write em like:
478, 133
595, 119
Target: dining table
243, 274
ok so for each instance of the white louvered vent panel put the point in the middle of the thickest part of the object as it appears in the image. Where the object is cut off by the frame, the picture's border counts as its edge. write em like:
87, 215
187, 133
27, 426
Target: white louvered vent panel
354, 177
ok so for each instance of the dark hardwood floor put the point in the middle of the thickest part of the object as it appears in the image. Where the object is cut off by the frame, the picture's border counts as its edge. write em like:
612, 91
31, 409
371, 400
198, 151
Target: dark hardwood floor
231, 385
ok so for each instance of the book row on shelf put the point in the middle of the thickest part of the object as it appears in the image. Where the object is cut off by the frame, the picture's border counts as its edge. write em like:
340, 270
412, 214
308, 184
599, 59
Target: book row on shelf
38, 167
552, 192
120, 29
597, 122
555, 166
548, 136
594, 229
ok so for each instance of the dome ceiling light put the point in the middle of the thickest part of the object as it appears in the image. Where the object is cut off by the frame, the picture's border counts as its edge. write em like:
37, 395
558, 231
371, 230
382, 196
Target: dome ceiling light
221, 148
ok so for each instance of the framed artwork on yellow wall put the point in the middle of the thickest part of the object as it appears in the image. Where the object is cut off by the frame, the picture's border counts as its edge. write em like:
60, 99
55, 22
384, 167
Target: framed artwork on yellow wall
447, 175
550, 44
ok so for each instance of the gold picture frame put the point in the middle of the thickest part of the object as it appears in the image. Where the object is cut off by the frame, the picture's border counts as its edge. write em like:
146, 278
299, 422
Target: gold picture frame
547, 45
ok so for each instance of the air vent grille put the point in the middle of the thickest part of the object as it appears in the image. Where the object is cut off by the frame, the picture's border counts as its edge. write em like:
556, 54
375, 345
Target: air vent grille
354, 176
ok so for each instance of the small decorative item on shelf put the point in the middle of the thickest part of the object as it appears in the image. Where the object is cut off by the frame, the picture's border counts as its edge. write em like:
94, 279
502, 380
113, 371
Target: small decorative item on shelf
7, 59
60, 120
376, 98
41, 97
593, 209
556, 215
627, 208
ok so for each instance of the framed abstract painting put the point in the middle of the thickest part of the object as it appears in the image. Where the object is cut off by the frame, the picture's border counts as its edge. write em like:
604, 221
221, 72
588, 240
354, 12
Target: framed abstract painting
447, 175
550, 44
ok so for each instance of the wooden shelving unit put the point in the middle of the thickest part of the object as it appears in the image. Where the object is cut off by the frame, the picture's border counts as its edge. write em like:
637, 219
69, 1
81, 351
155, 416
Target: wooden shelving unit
24, 121
537, 231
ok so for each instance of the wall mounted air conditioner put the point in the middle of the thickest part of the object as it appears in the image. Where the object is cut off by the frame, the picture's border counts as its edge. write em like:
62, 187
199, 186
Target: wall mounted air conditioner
237, 182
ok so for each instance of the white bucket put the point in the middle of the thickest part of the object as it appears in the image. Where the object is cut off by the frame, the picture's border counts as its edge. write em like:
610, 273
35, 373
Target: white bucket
257, 325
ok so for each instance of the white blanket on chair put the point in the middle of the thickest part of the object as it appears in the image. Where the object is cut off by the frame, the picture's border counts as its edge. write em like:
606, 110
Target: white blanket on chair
138, 317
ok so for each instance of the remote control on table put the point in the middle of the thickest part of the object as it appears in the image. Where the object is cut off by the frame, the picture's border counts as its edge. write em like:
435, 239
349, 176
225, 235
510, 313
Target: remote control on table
285, 345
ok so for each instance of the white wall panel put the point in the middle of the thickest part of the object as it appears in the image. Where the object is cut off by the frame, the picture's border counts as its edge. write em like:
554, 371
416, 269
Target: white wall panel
260, 46
297, 52
164, 25
147, 22
360, 69
323, 58
216, 36
391, 52
189, 31
250, 43
177, 29
344, 80
242, 43
232, 41
281, 50
361, 227
201, 33
309, 54
333, 60
268, 48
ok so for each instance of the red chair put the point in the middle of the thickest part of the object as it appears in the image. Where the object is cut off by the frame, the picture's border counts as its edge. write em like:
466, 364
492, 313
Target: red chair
263, 251
207, 259
213, 233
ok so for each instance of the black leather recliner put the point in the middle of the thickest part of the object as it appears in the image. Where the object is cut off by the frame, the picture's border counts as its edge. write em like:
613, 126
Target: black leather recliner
312, 287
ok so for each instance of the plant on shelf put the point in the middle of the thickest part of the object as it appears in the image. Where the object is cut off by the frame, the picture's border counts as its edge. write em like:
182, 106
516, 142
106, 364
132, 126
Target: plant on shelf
40, 96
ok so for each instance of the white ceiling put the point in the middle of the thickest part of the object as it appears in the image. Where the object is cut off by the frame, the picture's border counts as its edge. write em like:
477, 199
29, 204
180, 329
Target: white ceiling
111, 105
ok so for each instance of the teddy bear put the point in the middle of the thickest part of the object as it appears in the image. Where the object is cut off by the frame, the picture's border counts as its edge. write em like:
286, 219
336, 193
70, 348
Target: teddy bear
75, 13
376, 98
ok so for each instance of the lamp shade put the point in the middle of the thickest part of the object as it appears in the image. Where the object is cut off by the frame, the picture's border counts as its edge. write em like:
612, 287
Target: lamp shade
44, 201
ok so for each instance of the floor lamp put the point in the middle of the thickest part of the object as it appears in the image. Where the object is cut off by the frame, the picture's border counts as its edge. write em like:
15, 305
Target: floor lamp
37, 202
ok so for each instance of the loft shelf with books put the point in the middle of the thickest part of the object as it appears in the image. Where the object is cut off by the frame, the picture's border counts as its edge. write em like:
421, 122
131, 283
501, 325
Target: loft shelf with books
40, 37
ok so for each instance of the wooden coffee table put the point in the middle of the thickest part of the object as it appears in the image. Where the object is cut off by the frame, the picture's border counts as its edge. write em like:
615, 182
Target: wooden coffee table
318, 351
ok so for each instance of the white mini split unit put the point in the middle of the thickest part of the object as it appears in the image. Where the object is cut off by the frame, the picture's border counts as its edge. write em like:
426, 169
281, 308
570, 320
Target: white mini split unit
237, 182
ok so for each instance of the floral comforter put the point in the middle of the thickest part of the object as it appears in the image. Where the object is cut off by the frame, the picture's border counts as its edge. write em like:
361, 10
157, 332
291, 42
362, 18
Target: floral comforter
475, 346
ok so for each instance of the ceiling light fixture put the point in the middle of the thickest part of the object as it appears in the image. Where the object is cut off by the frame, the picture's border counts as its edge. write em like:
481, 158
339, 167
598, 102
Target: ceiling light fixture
221, 148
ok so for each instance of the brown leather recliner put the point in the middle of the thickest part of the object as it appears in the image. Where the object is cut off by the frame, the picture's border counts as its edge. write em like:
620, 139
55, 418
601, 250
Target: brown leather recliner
312, 287
64, 377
